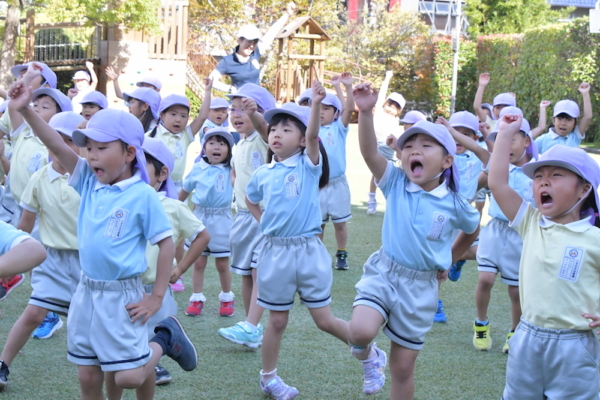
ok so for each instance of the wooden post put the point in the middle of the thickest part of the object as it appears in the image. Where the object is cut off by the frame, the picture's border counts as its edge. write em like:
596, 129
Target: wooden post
278, 78
321, 63
289, 76
311, 63
30, 36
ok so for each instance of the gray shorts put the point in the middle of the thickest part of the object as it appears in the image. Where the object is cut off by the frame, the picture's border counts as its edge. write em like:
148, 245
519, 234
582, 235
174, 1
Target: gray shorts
335, 201
9, 205
290, 265
168, 308
246, 241
552, 364
99, 329
386, 151
406, 298
481, 195
55, 281
218, 223
499, 250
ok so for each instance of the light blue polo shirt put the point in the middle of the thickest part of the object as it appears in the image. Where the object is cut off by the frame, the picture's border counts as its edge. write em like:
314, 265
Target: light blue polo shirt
290, 192
333, 137
211, 185
418, 225
115, 224
10, 237
521, 183
469, 168
551, 138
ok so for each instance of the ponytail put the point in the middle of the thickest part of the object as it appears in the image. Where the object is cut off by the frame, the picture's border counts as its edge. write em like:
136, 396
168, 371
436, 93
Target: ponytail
324, 179
153, 133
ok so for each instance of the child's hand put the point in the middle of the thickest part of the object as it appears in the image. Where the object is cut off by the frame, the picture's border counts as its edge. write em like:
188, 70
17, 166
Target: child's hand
335, 81
89, 65
484, 128
318, 92
509, 124
291, 8
391, 142
365, 97
111, 74
347, 79
389, 74
443, 121
208, 82
145, 308
20, 96
442, 276
249, 106
175, 275
544, 104
584, 88
484, 79
72, 92
595, 320
82, 125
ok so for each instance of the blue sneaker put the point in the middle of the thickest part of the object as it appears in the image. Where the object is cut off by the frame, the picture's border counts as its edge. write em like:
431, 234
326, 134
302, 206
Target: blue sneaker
455, 270
440, 316
180, 347
242, 333
51, 324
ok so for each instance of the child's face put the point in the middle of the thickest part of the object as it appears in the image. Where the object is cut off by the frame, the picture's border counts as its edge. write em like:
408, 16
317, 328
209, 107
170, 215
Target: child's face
239, 119
556, 190
137, 107
81, 84
328, 114
423, 158
305, 103
216, 150
156, 179
391, 109
518, 147
488, 113
109, 161
175, 118
46, 107
217, 115
497, 110
564, 124
468, 133
89, 109
285, 139
407, 126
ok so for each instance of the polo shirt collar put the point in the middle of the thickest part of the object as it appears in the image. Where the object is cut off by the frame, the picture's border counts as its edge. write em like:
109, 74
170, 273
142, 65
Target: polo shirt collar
577, 226
54, 174
440, 192
124, 184
252, 136
161, 195
553, 134
164, 131
204, 164
235, 56
288, 162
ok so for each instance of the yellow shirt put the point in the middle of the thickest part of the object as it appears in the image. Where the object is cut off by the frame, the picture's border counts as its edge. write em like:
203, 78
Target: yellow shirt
28, 156
559, 276
185, 226
5, 125
49, 194
178, 145
250, 154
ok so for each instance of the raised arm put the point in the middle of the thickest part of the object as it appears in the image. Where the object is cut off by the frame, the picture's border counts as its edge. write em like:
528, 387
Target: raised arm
22, 258
384, 89
265, 44
485, 130
484, 79
508, 199
584, 123
466, 141
203, 113
90, 67
365, 98
542, 122
216, 76
336, 82
312, 130
349, 105
258, 122
114, 78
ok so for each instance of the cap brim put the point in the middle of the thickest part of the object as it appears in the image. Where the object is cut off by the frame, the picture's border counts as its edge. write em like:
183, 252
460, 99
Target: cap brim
565, 112
268, 115
16, 70
530, 168
410, 132
65, 131
80, 137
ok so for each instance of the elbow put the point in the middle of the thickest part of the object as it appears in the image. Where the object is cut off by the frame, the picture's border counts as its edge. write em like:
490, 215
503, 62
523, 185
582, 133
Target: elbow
37, 252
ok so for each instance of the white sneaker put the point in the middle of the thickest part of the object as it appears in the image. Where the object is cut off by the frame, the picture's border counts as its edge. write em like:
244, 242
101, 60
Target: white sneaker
371, 207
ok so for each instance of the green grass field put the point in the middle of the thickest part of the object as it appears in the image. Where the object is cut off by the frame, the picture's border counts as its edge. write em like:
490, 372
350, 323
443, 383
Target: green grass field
316, 363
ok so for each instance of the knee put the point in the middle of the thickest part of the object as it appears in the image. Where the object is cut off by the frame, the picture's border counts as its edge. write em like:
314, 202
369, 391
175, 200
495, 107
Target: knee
90, 378
360, 334
127, 380
277, 321
341, 227
513, 293
402, 370
324, 324
35, 315
486, 280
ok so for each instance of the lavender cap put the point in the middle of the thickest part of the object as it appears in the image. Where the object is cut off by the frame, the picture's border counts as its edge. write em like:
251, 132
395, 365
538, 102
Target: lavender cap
332, 100
218, 131
95, 97
306, 95
568, 107
291, 108
173, 100
157, 149
48, 75
505, 99
219, 102
151, 80
148, 96
63, 101
66, 122
489, 107
263, 98
464, 119
3, 106
412, 117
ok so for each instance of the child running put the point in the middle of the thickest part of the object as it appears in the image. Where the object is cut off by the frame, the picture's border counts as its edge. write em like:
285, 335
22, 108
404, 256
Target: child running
554, 353
118, 215
399, 286
210, 180
293, 259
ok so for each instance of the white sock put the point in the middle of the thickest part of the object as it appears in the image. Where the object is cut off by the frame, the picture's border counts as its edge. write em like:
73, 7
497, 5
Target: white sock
254, 328
226, 297
198, 297
363, 353
371, 196
266, 377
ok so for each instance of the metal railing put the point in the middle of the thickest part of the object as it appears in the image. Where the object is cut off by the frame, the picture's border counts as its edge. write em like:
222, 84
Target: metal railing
66, 43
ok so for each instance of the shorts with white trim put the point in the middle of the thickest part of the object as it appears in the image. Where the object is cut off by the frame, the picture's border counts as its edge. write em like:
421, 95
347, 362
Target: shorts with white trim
335, 201
499, 250
290, 265
167, 309
405, 298
481, 195
218, 223
246, 241
99, 329
553, 364
55, 281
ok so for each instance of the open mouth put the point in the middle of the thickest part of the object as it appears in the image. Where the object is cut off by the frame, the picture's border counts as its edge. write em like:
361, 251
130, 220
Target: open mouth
238, 124
98, 171
546, 199
416, 167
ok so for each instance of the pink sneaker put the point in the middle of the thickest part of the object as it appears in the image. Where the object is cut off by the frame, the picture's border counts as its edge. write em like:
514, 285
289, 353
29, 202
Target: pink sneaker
178, 286
227, 309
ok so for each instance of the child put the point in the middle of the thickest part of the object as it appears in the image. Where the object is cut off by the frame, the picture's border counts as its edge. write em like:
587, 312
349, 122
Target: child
304, 98
92, 103
500, 101
19, 253
210, 180
335, 197
554, 352
143, 103
149, 82
247, 106
54, 282
84, 83
399, 283
409, 119
106, 324
568, 130
293, 259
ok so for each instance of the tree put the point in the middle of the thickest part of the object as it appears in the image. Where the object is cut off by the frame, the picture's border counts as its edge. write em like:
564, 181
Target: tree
11, 29
510, 16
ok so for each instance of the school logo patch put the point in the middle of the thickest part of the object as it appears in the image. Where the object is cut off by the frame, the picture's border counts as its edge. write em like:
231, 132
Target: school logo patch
571, 264
292, 186
437, 226
116, 223
35, 162
257, 160
220, 182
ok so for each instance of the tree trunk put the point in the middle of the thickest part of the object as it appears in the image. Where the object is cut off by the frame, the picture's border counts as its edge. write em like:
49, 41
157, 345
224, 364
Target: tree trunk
7, 57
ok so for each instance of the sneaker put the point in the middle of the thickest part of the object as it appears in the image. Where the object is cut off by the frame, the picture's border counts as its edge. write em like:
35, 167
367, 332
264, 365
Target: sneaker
481, 338
4, 371
51, 324
178, 286
162, 375
227, 309
278, 389
505, 348
342, 260
374, 372
455, 270
180, 347
8, 285
371, 207
440, 315
241, 333
194, 309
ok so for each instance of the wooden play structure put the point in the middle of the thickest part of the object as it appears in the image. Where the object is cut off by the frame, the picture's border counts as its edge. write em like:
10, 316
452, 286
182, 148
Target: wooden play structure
296, 71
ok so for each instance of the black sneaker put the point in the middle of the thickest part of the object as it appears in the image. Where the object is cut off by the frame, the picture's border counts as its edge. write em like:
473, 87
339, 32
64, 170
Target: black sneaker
180, 347
341, 262
4, 371
162, 375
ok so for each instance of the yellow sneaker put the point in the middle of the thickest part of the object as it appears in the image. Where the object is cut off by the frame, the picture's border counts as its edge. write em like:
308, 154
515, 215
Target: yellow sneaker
505, 347
481, 338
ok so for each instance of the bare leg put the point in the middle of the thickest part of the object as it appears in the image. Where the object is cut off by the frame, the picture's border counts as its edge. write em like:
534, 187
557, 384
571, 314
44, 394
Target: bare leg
91, 379
272, 339
179, 251
19, 334
402, 369
222, 264
255, 313
483, 293
341, 235
320, 235
364, 325
198, 275
113, 392
328, 323
135, 378
372, 186
515, 306
247, 289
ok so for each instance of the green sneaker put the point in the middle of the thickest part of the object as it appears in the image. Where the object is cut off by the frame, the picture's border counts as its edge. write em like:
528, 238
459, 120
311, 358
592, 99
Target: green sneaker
481, 337
242, 333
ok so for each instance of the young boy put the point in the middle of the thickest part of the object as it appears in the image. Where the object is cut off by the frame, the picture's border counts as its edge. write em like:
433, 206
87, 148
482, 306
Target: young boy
84, 83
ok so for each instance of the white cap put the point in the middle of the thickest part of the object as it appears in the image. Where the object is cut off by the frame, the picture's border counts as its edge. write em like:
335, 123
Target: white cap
150, 80
568, 107
464, 119
505, 99
249, 32
412, 117
398, 98
82, 75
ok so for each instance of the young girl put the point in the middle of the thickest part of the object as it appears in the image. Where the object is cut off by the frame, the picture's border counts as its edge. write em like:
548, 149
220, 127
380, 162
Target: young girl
216, 115
500, 101
293, 259
92, 103
118, 215
399, 283
210, 180
554, 352
143, 103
